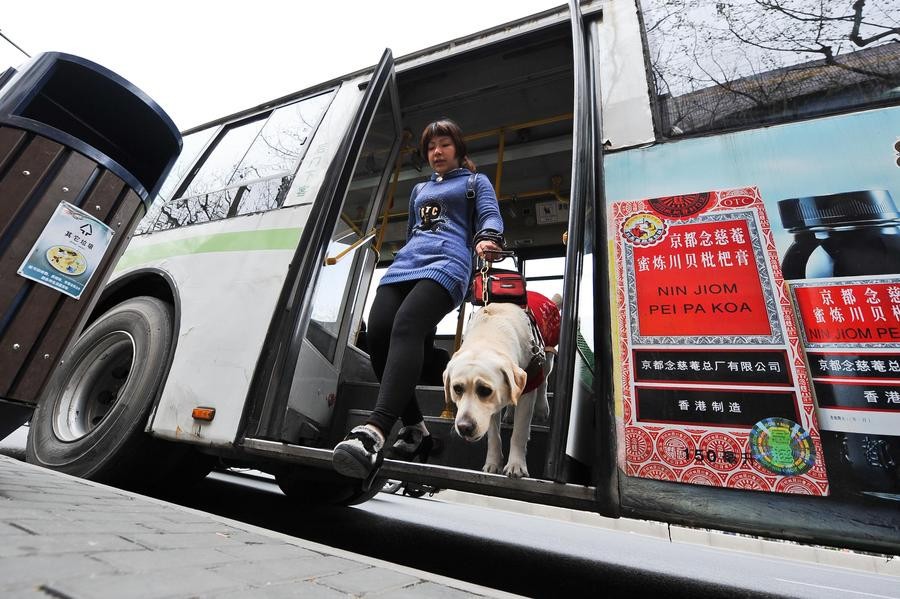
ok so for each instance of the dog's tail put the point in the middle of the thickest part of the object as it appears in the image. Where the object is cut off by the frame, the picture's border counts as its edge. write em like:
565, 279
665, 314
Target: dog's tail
557, 299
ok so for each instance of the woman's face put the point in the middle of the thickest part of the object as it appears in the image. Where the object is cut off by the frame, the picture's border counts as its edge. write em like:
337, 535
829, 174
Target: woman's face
442, 154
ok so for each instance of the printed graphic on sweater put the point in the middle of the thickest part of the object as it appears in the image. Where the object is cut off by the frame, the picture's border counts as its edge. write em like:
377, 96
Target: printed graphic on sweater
430, 215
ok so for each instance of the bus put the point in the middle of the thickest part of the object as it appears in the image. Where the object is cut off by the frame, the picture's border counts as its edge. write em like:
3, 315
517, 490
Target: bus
729, 351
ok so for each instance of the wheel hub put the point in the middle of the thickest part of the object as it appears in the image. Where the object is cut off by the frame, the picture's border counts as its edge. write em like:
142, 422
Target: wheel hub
94, 386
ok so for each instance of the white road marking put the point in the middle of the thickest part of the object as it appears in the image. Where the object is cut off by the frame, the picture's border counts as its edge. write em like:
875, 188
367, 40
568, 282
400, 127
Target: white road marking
819, 586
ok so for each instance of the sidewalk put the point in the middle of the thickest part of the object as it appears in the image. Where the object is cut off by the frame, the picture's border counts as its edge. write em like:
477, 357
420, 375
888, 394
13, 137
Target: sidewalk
70, 538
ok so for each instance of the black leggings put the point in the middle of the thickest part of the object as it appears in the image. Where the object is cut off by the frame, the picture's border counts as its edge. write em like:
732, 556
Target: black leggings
402, 318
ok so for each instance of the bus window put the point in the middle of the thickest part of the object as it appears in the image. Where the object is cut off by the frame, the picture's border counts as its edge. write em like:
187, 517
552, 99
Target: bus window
193, 144
191, 147
274, 154
218, 170
249, 169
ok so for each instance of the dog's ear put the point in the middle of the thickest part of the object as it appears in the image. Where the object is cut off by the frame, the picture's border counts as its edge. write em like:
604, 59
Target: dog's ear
516, 377
446, 375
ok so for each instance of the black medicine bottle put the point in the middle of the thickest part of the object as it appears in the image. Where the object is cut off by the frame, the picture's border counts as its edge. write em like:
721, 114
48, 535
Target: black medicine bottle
853, 234
841, 235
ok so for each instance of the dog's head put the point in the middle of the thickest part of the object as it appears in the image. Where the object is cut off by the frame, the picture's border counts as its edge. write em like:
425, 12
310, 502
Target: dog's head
480, 386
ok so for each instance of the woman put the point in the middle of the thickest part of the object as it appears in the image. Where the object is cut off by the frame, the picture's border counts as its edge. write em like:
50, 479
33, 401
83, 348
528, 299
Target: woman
428, 278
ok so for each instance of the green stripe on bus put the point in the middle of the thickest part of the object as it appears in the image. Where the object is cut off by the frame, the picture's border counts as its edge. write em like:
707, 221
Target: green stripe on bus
267, 239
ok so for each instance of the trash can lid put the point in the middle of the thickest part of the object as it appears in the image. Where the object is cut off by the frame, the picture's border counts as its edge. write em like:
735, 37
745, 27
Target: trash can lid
89, 108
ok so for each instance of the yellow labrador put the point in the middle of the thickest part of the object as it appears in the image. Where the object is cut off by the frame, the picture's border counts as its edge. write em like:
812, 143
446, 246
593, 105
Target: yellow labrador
486, 374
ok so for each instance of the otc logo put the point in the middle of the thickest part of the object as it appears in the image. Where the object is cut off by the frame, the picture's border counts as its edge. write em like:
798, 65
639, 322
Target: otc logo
643, 229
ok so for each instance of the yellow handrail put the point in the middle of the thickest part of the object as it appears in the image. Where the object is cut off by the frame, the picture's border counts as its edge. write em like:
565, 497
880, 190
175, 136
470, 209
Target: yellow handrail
332, 260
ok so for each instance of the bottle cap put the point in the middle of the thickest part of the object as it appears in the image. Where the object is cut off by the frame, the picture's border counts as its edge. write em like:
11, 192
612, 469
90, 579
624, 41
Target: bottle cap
837, 209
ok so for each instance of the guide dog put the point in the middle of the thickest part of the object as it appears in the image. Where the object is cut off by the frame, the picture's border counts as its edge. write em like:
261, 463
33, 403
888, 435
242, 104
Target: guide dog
488, 373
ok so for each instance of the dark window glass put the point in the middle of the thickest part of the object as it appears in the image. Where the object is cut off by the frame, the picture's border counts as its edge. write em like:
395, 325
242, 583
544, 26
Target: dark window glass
218, 170
723, 65
249, 168
191, 147
367, 189
280, 144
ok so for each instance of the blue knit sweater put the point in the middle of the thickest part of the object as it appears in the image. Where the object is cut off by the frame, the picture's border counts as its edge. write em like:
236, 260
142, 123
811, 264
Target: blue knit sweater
439, 234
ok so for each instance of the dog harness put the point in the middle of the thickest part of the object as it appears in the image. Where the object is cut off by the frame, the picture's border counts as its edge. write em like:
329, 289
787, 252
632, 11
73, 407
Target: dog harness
545, 321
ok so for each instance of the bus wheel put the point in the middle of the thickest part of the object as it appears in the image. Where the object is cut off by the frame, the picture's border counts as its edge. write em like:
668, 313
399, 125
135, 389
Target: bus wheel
318, 486
90, 420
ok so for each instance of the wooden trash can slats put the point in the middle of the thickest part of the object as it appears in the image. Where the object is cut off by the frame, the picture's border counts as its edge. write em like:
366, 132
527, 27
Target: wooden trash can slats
38, 309
17, 189
53, 338
70, 131
9, 144
34, 214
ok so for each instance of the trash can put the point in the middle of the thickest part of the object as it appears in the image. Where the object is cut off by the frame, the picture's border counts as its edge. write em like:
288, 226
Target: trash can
82, 154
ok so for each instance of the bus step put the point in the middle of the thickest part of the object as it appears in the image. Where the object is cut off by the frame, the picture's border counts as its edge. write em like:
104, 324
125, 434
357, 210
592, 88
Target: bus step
458, 453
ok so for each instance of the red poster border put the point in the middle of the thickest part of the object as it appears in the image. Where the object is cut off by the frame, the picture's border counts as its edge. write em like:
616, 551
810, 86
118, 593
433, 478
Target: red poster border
734, 200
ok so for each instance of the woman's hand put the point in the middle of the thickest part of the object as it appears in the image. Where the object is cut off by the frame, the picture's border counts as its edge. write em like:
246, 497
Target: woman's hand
486, 248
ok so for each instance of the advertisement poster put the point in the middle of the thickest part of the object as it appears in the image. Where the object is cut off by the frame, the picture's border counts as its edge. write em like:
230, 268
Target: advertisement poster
715, 387
68, 251
814, 317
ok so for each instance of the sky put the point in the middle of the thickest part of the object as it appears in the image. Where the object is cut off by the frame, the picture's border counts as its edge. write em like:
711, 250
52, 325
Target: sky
201, 60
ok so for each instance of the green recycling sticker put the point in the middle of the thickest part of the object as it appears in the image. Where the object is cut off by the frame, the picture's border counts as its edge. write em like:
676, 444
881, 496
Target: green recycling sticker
782, 446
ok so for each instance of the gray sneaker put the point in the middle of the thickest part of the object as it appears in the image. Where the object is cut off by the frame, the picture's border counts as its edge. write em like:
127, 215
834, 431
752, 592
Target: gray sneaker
412, 444
359, 455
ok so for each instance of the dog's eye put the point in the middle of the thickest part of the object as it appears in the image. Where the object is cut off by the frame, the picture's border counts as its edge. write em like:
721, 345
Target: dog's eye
483, 391
458, 389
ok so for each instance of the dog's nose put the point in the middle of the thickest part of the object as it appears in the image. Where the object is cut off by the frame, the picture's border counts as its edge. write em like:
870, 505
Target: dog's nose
466, 428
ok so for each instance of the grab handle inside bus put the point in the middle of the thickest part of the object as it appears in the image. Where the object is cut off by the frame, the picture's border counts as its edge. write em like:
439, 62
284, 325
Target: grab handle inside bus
332, 260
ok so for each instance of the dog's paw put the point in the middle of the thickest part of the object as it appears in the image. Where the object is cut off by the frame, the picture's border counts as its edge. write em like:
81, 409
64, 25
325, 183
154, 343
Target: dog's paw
516, 469
491, 467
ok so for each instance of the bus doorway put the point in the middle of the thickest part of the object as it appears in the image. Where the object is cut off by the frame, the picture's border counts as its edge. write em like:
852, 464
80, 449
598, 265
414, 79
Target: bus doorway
514, 100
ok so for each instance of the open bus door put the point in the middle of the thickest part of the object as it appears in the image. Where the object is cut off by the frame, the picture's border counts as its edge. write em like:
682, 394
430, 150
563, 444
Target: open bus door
296, 380
584, 426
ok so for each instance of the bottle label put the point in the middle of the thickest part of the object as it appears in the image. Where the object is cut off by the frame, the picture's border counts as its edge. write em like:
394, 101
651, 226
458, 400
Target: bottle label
850, 328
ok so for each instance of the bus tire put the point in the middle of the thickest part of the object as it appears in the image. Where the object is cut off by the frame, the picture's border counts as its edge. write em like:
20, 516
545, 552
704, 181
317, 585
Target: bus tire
317, 486
90, 420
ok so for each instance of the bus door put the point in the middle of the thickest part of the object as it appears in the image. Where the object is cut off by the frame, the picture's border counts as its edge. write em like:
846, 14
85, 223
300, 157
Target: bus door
297, 378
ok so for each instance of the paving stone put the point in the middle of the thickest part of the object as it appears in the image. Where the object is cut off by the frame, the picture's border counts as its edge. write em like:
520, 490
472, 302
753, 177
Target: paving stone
283, 570
93, 516
174, 540
427, 590
143, 586
146, 560
124, 508
13, 511
371, 580
164, 525
60, 526
81, 543
25, 592
268, 551
61, 498
38, 569
304, 589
